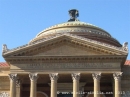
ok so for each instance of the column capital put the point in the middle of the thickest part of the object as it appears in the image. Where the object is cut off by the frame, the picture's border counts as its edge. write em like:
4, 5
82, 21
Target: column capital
117, 75
33, 76
13, 76
18, 82
53, 76
75, 76
96, 75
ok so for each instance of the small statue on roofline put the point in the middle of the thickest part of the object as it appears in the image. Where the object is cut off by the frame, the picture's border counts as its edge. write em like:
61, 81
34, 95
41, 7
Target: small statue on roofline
4, 48
125, 46
74, 13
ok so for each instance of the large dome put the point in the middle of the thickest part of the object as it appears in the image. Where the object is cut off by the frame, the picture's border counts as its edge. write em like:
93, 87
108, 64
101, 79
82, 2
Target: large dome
78, 28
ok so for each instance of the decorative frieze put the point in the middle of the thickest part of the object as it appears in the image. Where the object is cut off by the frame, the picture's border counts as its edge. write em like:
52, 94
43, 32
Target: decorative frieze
50, 66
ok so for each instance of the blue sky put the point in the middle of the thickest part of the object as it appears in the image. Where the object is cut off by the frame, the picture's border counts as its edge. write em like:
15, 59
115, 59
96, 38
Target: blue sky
22, 20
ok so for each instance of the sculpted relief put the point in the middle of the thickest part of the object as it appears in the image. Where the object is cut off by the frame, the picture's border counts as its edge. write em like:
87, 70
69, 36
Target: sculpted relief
64, 66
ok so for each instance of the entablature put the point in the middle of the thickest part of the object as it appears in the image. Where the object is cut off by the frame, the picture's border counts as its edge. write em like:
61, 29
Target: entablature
88, 58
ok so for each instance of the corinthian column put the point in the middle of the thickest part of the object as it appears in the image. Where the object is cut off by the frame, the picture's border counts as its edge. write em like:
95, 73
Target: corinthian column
13, 78
33, 87
117, 77
18, 88
75, 78
96, 78
53, 78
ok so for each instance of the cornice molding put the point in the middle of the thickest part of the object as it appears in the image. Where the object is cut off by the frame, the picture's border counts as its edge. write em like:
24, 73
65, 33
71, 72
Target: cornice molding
74, 39
98, 58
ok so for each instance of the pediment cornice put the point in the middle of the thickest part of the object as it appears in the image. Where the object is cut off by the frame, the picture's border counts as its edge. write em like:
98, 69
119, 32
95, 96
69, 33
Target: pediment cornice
53, 59
65, 38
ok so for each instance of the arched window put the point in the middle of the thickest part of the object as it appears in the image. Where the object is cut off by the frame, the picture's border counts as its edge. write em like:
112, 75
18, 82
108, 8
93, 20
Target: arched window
41, 94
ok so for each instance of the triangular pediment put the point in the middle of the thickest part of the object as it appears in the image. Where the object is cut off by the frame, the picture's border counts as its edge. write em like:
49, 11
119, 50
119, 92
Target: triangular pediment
65, 44
68, 50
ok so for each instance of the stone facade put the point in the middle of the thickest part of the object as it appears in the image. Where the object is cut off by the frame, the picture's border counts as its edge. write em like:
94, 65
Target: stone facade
66, 64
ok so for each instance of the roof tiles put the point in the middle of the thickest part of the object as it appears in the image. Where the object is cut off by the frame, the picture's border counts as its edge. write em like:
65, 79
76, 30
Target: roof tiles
127, 62
3, 64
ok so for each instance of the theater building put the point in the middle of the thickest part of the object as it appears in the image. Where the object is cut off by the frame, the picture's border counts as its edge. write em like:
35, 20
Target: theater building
71, 59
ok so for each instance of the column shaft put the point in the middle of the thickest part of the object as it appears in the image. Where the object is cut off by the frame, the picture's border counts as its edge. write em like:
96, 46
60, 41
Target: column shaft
96, 78
12, 89
18, 88
75, 77
18, 91
117, 77
96, 88
54, 78
53, 89
13, 78
33, 87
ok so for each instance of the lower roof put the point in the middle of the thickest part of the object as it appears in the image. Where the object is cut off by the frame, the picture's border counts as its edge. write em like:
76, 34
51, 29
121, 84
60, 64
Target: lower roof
3, 64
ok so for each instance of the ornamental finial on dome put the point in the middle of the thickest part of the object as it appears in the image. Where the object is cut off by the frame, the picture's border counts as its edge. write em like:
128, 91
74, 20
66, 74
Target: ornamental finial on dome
74, 13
